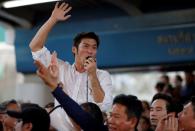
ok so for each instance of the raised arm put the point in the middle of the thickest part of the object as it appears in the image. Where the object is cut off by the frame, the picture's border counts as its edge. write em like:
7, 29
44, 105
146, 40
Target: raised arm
50, 77
59, 14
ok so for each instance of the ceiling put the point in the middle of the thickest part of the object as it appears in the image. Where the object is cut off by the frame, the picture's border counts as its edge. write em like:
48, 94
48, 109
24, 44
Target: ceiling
29, 16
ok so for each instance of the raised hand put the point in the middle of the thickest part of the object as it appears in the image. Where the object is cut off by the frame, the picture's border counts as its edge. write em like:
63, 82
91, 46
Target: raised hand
50, 75
60, 12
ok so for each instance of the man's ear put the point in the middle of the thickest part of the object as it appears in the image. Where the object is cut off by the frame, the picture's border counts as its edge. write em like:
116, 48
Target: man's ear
132, 122
27, 126
74, 50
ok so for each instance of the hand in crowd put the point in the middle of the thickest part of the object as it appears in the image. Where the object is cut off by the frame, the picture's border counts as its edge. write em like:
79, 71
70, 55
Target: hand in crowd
90, 65
168, 123
60, 11
50, 74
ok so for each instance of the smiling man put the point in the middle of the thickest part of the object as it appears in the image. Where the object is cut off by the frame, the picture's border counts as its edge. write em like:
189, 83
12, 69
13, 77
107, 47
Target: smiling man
125, 114
82, 81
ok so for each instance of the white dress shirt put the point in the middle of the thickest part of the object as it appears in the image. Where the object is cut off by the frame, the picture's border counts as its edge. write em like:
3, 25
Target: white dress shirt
75, 85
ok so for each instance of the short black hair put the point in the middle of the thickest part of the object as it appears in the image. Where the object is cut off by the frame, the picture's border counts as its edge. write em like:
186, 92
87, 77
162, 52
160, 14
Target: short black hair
175, 107
8, 102
133, 105
179, 78
82, 35
166, 98
94, 111
33, 113
160, 86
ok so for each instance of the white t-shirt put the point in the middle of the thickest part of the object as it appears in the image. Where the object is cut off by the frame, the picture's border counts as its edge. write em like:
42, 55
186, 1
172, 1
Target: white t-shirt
75, 85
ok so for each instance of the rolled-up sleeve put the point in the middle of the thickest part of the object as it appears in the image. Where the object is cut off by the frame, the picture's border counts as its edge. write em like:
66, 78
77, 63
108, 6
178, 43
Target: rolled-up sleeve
106, 84
42, 55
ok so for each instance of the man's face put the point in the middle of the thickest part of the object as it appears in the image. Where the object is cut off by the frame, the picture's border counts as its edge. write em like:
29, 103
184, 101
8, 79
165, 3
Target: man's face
187, 118
87, 47
157, 111
118, 120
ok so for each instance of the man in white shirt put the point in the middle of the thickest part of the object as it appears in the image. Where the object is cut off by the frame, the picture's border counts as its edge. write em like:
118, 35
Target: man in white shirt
82, 81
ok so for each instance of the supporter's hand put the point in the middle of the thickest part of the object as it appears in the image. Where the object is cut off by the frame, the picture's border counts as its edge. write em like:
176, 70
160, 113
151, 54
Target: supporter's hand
171, 124
60, 12
49, 75
167, 123
90, 66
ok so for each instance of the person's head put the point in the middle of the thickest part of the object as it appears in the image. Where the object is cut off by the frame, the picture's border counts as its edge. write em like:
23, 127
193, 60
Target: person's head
187, 116
95, 112
158, 108
174, 109
146, 108
178, 81
125, 114
9, 122
31, 118
159, 87
189, 76
165, 79
85, 44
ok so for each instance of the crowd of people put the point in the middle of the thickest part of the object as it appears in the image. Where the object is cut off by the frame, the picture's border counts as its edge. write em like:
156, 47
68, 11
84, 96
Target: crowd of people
83, 93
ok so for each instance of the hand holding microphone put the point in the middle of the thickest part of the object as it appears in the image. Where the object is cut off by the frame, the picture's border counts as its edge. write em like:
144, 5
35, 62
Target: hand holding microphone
90, 65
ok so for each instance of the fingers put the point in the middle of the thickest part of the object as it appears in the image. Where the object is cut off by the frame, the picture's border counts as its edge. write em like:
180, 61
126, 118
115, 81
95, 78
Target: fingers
62, 5
54, 58
65, 6
171, 124
90, 61
66, 10
67, 17
56, 5
53, 70
40, 74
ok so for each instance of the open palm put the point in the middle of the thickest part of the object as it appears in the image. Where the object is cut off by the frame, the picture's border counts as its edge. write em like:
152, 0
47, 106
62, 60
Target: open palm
60, 11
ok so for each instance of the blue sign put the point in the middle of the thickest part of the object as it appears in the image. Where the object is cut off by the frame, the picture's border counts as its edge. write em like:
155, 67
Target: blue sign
119, 47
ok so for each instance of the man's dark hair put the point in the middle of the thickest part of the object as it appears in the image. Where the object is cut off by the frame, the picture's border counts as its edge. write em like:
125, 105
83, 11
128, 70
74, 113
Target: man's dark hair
8, 102
82, 35
175, 107
166, 77
160, 86
33, 113
94, 111
179, 78
133, 105
166, 98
